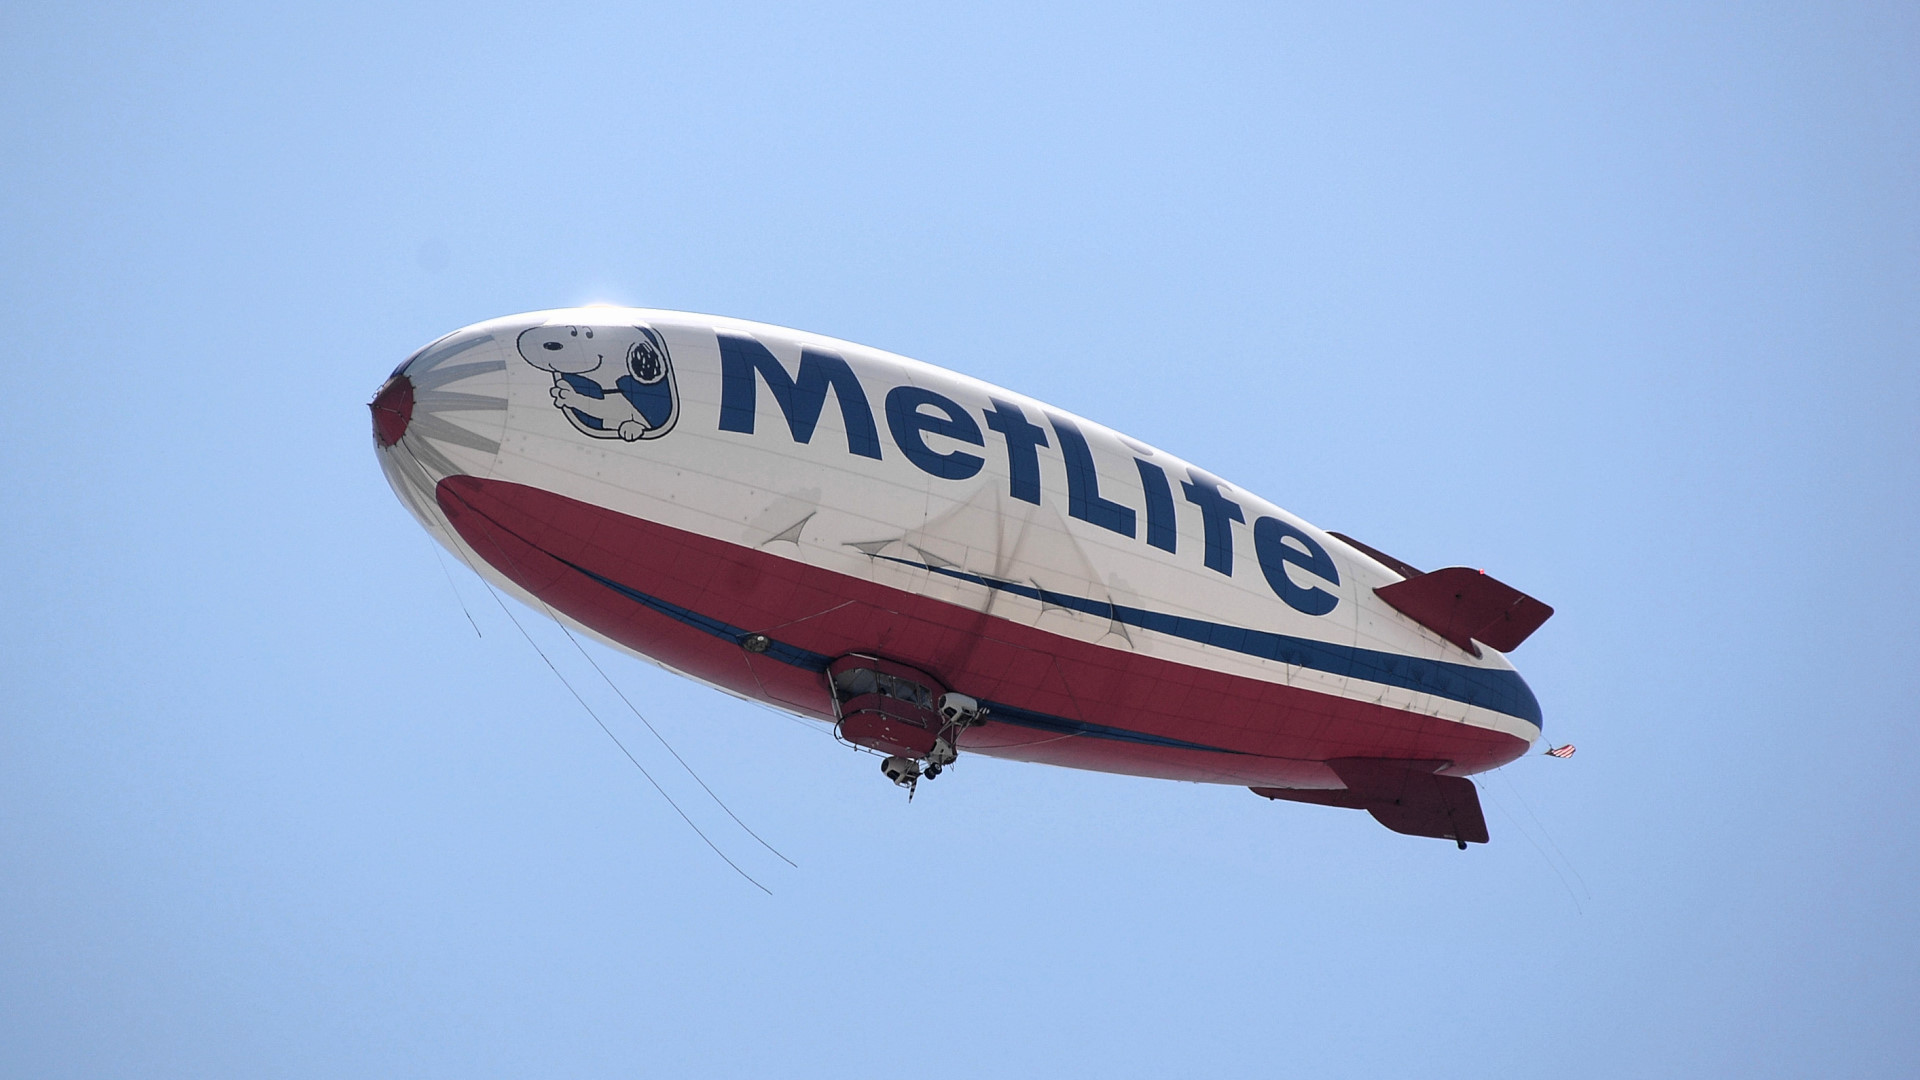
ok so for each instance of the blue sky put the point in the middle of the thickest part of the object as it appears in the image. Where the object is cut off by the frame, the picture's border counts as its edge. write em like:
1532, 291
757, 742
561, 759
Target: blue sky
1615, 301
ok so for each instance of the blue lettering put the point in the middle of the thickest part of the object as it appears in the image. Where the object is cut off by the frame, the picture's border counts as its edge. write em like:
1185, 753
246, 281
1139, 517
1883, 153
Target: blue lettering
1083, 483
910, 426
1268, 534
801, 400
1217, 513
1161, 529
1023, 437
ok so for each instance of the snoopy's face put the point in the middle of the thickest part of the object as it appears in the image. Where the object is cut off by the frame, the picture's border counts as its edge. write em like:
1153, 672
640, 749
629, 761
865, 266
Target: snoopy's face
612, 350
569, 350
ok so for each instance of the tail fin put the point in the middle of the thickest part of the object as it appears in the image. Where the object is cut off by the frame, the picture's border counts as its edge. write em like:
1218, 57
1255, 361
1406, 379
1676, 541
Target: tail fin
1461, 604
1406, 796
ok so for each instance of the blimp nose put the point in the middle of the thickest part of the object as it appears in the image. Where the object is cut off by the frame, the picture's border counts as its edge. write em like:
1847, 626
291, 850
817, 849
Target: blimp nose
392, 410
443, 411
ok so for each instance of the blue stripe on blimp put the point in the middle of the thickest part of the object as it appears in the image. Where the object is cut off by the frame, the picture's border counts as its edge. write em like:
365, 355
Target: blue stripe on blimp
1455, 682
1494, 689
793, 655
813, 661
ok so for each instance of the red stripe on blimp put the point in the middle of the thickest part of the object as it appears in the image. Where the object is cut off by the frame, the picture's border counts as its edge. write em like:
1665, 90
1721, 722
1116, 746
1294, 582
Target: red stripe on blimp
661, 591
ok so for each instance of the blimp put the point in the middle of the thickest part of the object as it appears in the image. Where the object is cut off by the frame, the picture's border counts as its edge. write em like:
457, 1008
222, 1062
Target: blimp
933, 566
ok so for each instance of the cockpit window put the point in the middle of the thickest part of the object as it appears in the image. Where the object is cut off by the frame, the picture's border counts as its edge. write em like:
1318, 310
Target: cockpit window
856, 682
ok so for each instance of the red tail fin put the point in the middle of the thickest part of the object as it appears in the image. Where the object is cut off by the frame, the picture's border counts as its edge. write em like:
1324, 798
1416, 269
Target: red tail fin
1461, 604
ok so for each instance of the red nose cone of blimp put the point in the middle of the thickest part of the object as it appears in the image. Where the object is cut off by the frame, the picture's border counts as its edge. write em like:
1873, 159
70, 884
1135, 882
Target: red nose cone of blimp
392, 409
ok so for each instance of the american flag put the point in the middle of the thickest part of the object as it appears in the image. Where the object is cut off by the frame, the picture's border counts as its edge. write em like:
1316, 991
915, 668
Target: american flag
1560, 751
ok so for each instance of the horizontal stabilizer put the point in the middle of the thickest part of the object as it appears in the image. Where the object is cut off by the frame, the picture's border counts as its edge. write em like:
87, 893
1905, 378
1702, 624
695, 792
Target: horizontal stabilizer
1406, 796
1461, 604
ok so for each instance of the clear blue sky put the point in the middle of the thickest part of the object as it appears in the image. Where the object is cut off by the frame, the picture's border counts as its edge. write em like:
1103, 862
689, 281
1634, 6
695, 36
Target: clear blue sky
1616, 301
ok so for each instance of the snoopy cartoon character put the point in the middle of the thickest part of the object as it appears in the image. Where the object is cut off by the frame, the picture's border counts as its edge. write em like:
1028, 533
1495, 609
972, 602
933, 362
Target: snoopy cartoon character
641, 403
